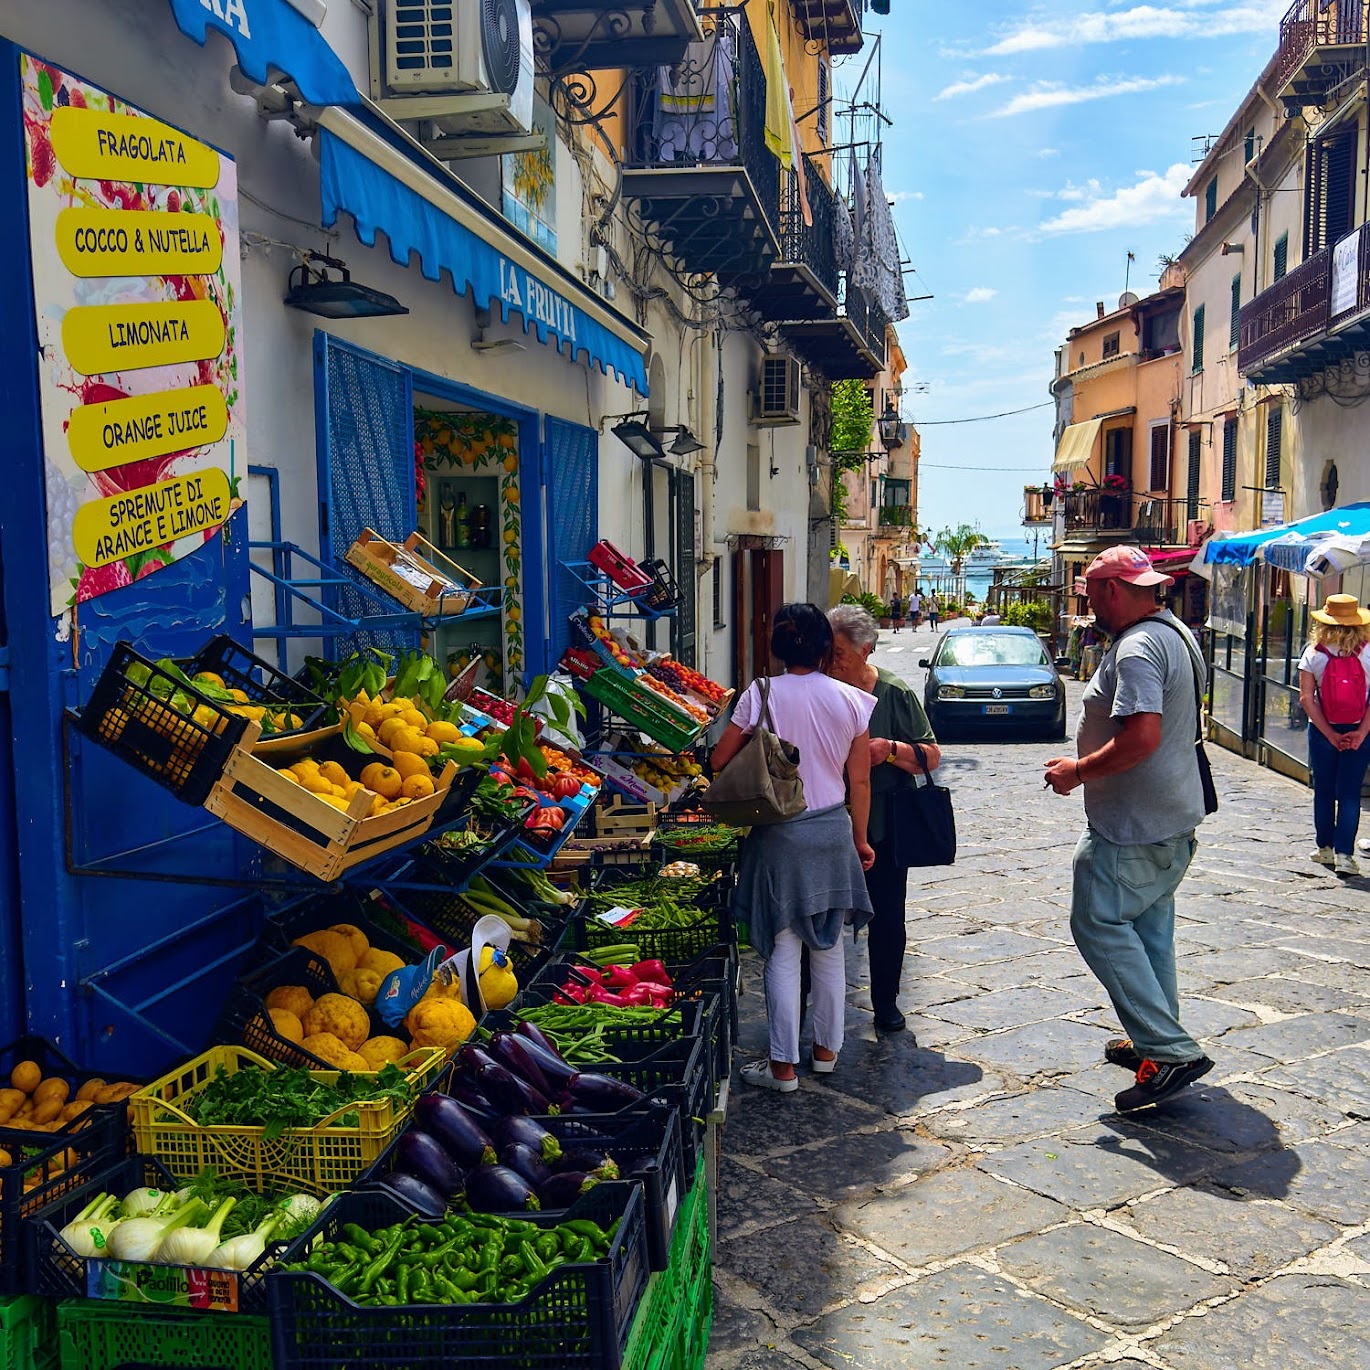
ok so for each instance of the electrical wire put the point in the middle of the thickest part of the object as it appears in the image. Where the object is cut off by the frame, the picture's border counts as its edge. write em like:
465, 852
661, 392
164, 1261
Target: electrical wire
983, 418
955, 466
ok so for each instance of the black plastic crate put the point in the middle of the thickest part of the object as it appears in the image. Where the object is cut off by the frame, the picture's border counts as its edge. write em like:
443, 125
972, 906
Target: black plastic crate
672, 840
578, 1318
109, 1120
57, 1272
315, 912
662, 593
446, 866
262, 683
132, 712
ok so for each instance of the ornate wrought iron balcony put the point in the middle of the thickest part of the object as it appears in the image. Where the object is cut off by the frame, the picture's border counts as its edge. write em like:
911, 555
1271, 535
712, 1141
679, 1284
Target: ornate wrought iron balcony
834, 23
896, 516
848, 344
585, 35
1322, 42
706, 185
805, 281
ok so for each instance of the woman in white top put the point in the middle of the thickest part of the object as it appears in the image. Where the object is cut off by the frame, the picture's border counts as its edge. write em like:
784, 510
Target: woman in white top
801, 881
1337, 752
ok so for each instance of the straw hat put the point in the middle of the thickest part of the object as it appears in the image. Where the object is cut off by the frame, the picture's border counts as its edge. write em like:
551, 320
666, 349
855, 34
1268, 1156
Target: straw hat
1342, 611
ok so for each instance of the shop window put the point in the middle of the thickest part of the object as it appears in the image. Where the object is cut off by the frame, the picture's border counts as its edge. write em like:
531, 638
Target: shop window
1229, 490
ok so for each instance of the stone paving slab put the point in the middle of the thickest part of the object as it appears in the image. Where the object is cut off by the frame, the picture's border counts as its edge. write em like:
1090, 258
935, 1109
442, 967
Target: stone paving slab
964, 1195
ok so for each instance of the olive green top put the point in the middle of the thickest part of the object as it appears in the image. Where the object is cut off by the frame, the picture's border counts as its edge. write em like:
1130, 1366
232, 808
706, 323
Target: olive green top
899, 716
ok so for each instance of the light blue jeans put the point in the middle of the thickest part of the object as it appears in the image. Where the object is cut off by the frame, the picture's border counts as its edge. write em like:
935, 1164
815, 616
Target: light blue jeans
1122, 917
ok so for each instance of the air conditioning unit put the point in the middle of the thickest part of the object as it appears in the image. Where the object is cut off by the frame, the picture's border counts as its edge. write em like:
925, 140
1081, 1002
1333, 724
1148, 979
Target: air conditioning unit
1195, 532
465, 48
777, 397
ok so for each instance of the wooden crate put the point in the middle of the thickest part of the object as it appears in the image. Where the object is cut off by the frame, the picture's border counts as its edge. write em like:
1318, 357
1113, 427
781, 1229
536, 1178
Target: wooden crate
618, 817
440, 596
299, 827
577, 851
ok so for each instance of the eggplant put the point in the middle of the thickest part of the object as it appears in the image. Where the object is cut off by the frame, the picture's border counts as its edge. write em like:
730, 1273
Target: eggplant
582, 1158
414, 1193
555, 1070
426, 1159
474, 1102
527, 1162
513, 1095
603, 1091
470, 1059
524, 1130
511, 1053
638, 1169
542, 1041
563, 1189
497, 1189
456, 1131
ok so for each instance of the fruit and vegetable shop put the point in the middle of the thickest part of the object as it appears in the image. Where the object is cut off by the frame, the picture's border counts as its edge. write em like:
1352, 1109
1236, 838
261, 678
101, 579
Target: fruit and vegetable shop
368, 969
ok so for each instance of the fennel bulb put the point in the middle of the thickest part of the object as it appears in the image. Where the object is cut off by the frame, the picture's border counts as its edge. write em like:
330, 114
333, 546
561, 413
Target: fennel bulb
240, 1253
193, 1245
300, 1208
88, 1233
137, 1239
141, 1203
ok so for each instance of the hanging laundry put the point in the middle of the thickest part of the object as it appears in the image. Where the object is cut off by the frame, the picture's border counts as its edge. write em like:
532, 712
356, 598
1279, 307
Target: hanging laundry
877, 268
694, 121
779, 116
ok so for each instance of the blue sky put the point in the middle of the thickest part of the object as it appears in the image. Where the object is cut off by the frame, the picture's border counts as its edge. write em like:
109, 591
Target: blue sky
1033, 147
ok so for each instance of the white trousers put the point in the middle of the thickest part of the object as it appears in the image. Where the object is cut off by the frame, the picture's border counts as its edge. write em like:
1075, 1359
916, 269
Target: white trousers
828, 1002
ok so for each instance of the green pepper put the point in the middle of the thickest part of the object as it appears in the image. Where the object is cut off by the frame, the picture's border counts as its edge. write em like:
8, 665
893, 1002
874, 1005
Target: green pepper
532, 1261
383, 1262
583, 1227
402, 1284
547, 1245
465, 1280
359, 1236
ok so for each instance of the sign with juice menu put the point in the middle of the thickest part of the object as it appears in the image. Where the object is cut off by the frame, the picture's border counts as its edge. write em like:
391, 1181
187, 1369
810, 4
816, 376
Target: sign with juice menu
133, 230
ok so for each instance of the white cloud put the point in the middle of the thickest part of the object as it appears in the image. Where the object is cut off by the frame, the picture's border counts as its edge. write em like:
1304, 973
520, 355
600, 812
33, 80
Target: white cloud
979, 294
1046, 152
970, 85
899, 197
1153, 199
1052, 94
1141, 21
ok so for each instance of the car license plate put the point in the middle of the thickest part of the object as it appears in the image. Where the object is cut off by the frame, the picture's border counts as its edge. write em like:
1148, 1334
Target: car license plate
998, 708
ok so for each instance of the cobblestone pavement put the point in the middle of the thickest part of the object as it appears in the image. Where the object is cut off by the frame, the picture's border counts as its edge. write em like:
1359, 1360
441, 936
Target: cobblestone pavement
971, 1200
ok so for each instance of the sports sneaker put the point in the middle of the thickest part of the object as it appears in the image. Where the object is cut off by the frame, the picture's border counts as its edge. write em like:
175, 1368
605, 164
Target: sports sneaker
1323, 856
1347, 865
759, 1073
1158, 1080
1119, 1051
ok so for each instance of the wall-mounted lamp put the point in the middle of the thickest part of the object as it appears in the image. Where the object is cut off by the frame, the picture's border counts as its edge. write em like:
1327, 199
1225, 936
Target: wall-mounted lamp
685, 443
313, 290
638, 438
891, 427
490, 346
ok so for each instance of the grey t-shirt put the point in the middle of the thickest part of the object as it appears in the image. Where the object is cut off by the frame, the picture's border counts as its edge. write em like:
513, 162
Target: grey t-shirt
1149, 670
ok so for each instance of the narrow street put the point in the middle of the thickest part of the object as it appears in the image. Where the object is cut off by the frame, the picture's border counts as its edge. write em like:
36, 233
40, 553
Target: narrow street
971, 1200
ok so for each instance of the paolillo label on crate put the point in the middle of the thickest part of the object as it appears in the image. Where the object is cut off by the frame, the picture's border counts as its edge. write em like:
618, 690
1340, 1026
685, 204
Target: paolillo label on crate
168, 1286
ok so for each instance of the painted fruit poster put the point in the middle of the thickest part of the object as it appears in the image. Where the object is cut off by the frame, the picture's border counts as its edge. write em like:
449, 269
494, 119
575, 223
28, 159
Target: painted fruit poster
133, 230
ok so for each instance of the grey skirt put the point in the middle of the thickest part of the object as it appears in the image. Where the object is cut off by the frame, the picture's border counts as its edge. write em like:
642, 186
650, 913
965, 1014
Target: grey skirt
802, 874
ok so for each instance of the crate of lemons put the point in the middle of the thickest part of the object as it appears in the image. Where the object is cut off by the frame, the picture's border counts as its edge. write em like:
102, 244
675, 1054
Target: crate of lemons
340, 1029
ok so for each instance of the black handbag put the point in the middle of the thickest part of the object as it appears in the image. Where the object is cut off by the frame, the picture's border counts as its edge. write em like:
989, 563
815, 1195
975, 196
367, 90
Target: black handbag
922, 824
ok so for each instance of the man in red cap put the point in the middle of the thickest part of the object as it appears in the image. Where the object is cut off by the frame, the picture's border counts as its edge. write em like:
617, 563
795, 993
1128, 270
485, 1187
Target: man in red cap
1143, 800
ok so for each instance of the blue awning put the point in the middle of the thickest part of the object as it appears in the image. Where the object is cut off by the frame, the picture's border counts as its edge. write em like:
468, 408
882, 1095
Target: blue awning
273, 39
1241, 549
501, 270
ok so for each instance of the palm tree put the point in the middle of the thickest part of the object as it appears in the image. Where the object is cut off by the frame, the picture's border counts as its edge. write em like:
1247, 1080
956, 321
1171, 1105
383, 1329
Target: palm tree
956, 544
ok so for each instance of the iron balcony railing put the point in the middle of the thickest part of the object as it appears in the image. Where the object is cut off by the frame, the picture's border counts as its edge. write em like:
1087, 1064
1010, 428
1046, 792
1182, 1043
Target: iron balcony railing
1290, 312
1098, 509
709, 111
1312, 24
813, 245
1152, 520
896, 516
867, 316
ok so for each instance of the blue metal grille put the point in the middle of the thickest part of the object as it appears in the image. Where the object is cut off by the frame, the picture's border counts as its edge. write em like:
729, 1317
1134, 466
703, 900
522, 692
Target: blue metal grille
366, 468
571, 469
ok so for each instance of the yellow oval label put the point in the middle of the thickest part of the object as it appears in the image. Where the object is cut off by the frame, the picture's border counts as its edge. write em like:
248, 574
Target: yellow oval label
111, 529
106, 435
138, 242
124, 337
103, 146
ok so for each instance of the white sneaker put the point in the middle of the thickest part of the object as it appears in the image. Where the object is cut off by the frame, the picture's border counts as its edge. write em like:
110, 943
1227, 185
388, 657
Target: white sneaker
1364, 845
1347, 865
759, 1073
1323, 856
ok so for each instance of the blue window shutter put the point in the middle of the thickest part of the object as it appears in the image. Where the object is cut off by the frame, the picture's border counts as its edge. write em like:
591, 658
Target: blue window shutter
1211, 199
571, 471
1192, 483
364, 414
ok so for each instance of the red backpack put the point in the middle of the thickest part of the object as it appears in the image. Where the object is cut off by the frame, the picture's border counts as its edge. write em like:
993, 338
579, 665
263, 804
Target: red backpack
1341, 692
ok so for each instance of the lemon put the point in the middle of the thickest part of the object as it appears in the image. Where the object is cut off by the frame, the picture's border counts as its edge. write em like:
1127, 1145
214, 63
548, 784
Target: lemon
238, 696
389, 729
442, 732
417, 787
334, 773
208, 678
427, 747
406, 739
415, 719
409, 763
374, 716
316, 784
367, 731
382, 779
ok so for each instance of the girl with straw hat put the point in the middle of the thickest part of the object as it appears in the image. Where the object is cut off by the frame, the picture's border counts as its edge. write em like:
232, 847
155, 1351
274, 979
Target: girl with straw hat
1334, 687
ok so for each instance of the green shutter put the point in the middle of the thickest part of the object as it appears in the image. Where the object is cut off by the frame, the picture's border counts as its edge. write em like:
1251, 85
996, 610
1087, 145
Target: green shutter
1250, 148
1192, 491
1198, 360
1274, 440
1230, 460
1234, 331
1281, 256
1211, 199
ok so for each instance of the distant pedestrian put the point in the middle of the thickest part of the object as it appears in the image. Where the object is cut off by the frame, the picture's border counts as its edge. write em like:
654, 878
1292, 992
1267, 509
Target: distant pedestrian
991, 619
1334, 672
1143, 801
896, 612
934, 612
915, 609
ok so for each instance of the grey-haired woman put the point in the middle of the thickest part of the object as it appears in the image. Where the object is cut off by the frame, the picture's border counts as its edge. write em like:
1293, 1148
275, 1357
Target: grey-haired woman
899, 733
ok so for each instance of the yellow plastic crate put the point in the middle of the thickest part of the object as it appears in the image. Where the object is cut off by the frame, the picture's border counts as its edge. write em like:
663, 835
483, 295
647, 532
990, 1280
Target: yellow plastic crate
320, 1160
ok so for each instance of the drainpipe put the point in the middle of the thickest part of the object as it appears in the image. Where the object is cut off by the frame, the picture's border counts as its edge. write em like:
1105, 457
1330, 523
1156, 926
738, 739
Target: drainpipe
702, 424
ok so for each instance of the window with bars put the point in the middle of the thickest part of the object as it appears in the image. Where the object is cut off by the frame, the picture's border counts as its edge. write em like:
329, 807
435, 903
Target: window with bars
1160, 457
1210, 199
1229, 489
1192, 483
1234, 329
1281, 256
1274, 441
1198, 333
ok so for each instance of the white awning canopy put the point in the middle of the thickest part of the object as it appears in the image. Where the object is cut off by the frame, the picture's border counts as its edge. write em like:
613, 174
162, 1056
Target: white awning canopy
1077, 445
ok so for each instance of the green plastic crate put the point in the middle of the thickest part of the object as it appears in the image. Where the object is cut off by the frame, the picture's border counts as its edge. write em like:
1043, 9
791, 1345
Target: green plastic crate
692, 1272
26, 1334
651, 1343
95, 1335
648, 713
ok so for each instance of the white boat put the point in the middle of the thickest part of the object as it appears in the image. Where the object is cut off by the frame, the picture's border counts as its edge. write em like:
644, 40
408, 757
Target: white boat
980, 562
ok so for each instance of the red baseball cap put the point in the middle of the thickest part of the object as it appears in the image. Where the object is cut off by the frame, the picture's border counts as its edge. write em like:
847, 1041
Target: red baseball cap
1126, 563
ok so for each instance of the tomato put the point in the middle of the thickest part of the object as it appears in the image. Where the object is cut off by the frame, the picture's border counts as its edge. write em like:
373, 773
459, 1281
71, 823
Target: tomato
564, 787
